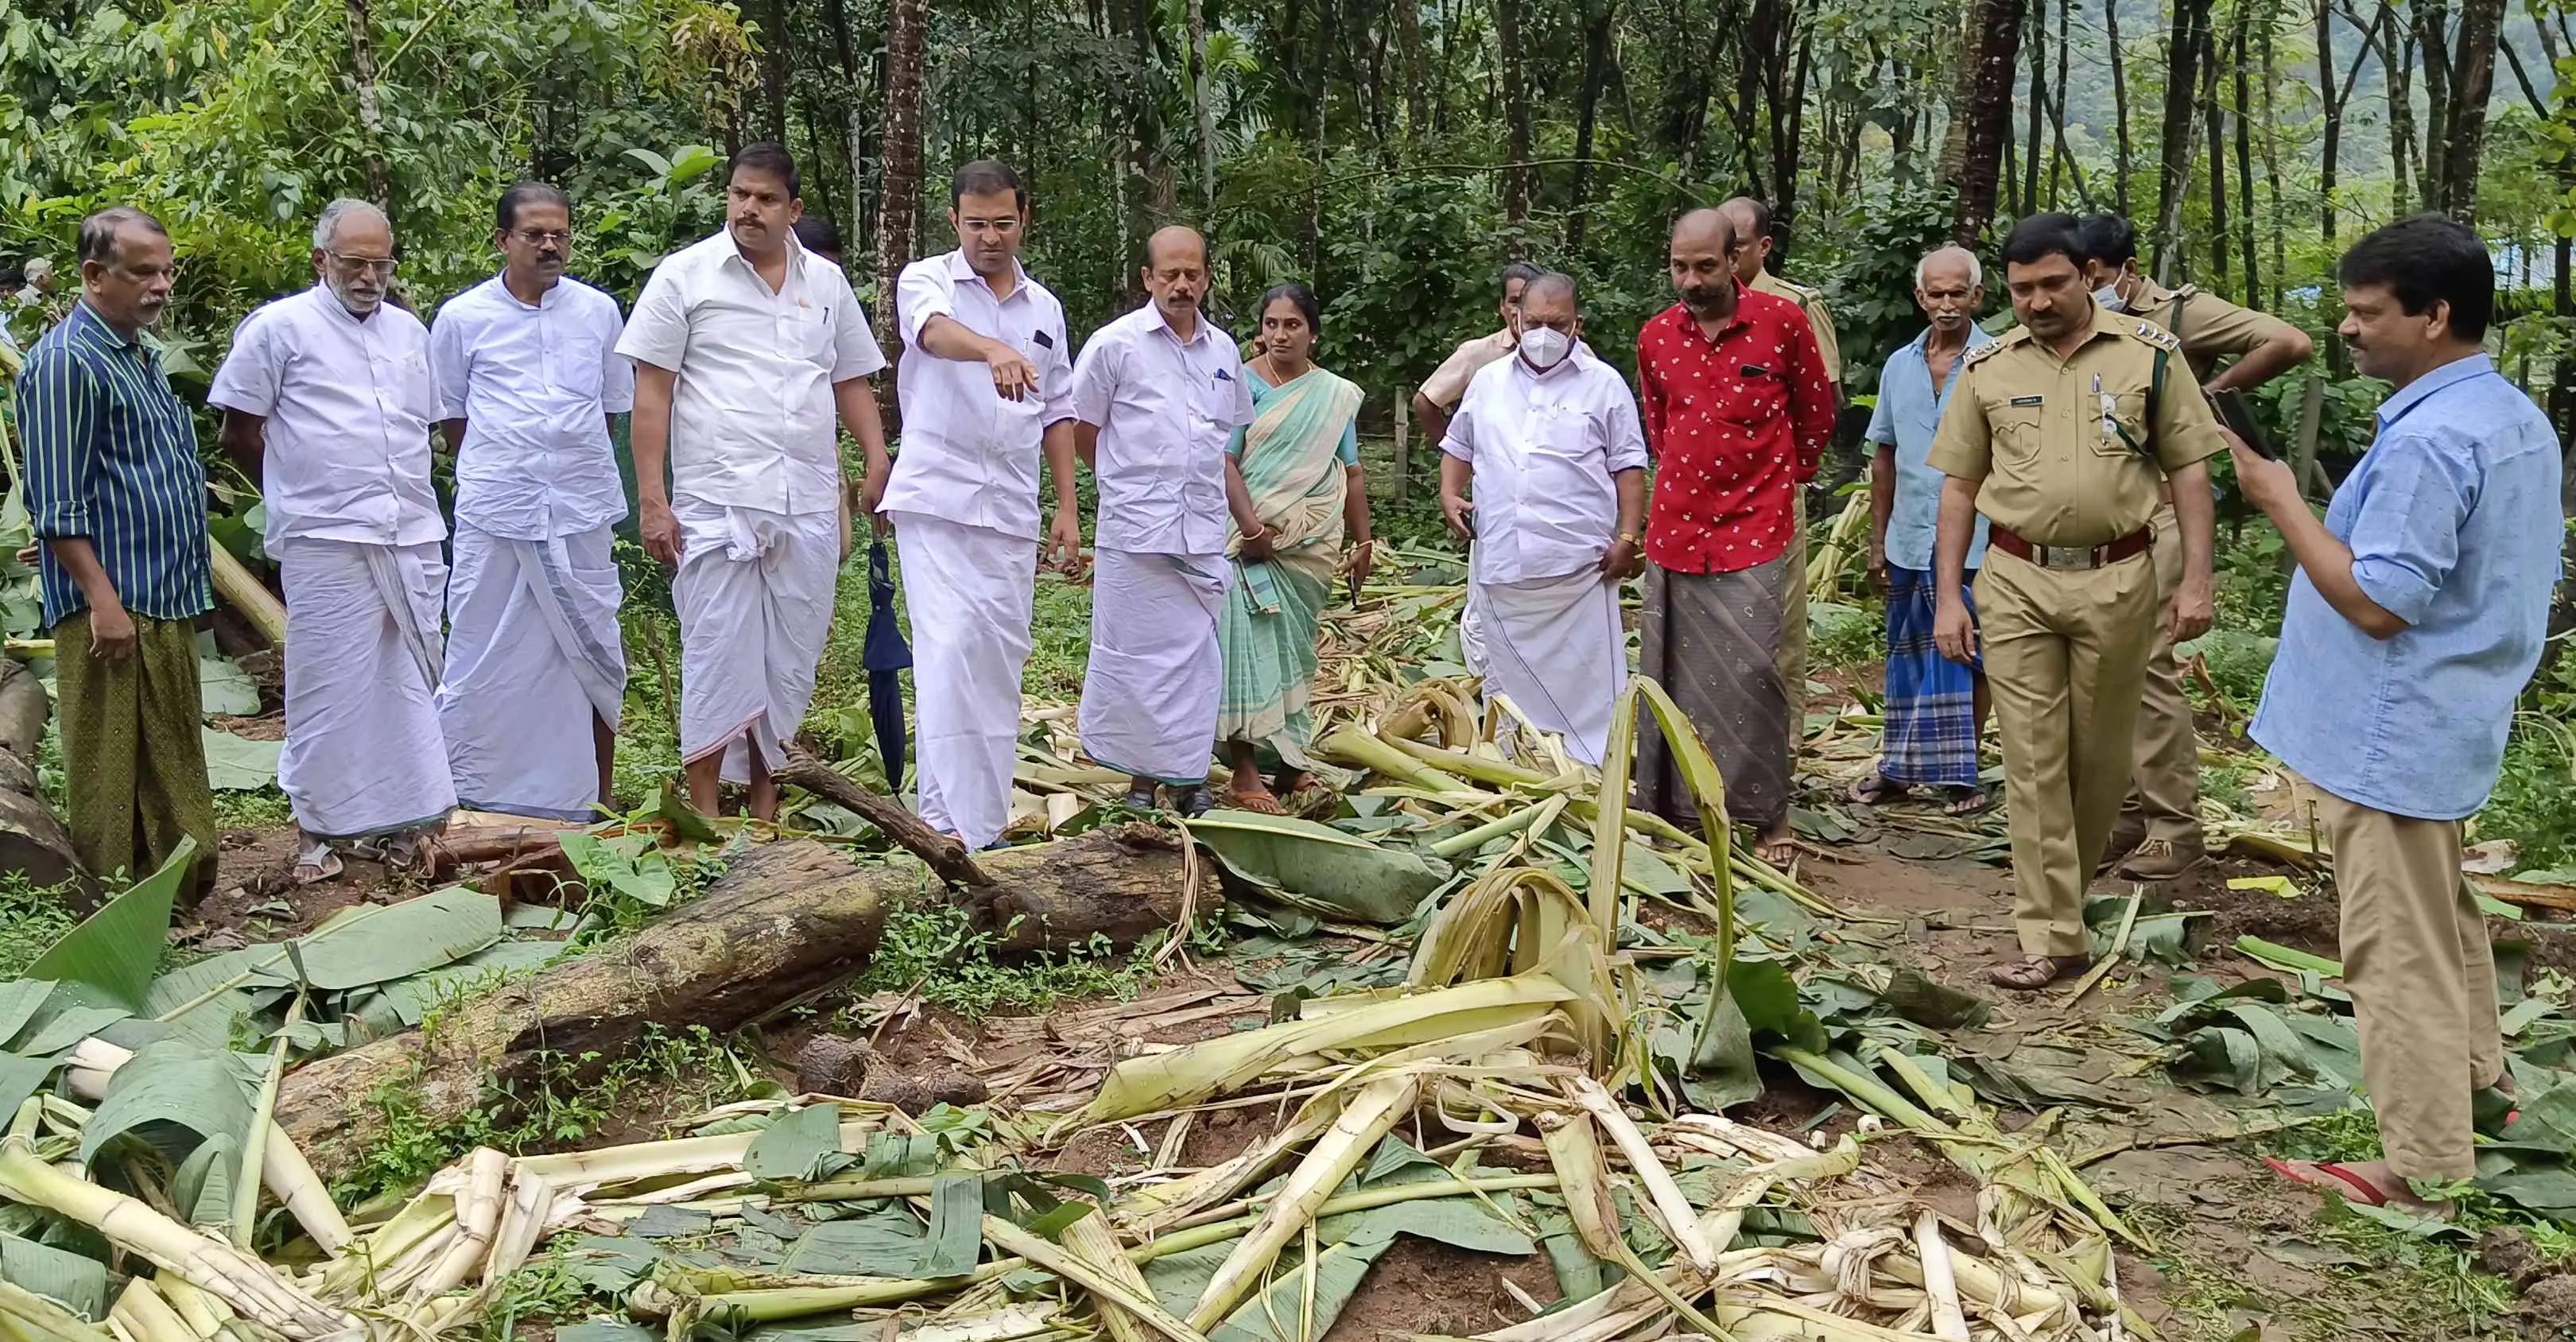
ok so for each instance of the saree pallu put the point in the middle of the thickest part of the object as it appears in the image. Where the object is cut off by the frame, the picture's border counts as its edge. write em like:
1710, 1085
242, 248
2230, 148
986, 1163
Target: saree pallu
1931, 734
1274, 607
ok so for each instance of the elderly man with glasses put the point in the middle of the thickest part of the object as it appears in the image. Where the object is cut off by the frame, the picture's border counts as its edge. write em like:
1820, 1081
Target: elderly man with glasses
529, 383
327, 398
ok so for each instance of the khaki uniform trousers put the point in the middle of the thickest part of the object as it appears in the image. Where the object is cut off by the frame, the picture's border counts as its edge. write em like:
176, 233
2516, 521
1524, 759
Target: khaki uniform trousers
1793, 627
2165, 798
2422, 979
2066, 651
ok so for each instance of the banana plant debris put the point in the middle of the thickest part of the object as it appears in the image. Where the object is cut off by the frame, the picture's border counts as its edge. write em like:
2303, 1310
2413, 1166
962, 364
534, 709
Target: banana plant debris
1505, 1013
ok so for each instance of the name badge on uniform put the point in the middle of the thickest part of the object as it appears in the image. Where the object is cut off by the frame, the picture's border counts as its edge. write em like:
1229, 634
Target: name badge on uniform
1044, 340
2028, 400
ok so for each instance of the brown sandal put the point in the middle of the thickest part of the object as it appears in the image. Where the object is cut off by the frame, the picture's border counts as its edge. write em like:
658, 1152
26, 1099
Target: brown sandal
1259, 803
2031, 973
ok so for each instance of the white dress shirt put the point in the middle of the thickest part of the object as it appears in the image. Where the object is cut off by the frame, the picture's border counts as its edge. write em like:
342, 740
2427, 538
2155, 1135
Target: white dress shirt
348, 405
535, 385
969, 456
752, 410
1546, 448
1165, 408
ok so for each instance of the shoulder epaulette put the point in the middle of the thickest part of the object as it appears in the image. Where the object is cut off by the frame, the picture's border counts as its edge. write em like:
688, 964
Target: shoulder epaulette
2155, 335
1989, 349
2186, 291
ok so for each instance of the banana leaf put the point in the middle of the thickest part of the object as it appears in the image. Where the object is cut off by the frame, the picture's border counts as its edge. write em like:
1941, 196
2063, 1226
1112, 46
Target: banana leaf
108, 960
1321, 867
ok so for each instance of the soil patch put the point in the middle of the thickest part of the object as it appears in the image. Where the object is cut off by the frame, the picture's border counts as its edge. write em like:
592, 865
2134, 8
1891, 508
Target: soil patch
1425, 1287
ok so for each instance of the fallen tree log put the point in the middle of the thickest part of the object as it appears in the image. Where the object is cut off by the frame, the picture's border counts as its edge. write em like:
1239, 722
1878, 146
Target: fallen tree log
33, 839
1124, 882
788, 918
945, 853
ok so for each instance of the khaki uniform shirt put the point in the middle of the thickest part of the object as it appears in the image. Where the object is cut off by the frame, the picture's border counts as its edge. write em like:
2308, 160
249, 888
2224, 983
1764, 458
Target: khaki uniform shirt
1820, 321
1447, 384
2210, 327
2051, 442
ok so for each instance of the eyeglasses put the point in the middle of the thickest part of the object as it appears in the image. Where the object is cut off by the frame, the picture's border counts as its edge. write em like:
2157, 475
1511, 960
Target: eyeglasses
536, 238
359, 265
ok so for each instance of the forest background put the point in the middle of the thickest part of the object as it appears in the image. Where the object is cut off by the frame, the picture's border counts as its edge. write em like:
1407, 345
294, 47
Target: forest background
1392, 155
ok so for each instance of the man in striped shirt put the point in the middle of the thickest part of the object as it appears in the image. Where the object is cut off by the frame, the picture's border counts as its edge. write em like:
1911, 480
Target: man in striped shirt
119, 501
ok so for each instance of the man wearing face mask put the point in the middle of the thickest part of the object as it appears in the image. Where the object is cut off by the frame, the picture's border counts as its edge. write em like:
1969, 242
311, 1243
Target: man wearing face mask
1738, 408
1156, 396
328, 397
1550, 441
529, 382
2158, 837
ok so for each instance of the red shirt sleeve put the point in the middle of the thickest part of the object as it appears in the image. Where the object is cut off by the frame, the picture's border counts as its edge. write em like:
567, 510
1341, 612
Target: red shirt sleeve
1650, 394
1811, 399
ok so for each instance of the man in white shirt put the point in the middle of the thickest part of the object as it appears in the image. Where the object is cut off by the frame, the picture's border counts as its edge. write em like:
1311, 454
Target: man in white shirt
1157, 393
529, 380
744, 347
1550, 440
327, 398
986, 389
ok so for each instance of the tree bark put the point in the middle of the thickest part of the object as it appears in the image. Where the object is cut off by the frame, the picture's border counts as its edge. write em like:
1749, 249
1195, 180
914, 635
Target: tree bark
2433, 50
1417, 94
899, 199
33, 840
2173, 145
2120, 105
371, 116
1123, 883
2472, 77
1985, 118
773, 67
1516, 112
945, 854
1327, 31
1202, 114
2033, 158
1596, 70
2219, 239
2397, 59
2243, 55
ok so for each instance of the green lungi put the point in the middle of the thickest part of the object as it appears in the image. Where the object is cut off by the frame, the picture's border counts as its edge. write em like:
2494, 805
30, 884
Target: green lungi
133, 754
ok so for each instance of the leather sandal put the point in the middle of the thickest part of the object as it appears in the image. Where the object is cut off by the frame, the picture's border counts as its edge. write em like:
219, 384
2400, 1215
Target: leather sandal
2031, 973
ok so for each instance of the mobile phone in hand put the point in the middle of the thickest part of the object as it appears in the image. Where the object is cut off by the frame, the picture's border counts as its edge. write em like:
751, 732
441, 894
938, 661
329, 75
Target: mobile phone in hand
2237, 414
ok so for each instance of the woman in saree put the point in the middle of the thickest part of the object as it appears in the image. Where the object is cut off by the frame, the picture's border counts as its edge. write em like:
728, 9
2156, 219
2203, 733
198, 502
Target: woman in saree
1300, 464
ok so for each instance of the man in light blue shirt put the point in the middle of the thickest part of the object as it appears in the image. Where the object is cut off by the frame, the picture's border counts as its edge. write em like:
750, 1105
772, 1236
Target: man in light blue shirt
1935, 707
2416, 616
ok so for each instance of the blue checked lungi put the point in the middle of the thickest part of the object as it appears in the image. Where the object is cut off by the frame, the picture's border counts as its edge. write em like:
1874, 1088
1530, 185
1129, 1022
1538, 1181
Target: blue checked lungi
1931, 734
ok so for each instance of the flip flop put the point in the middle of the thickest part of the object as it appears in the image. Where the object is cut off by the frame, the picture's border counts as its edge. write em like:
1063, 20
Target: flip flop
1976, 802
324, 865
1878, 790
2023, 975
1141, 798
2351, 1186
1260, 803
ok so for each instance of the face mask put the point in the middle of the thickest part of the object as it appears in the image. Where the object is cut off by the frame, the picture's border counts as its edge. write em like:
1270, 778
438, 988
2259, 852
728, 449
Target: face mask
1544, 347
2109, 297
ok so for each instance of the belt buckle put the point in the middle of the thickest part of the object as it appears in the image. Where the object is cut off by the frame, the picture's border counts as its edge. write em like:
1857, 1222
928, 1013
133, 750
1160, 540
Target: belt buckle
2066, 556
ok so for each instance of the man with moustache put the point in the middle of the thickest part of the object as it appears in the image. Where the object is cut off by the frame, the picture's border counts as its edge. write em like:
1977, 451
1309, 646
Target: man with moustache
2062, 434
1550, 441
745, 346
1752, 220
1441, 392
986, 392
2158, 837
1156, 395
1935, 708
529, 383
1737, 412
2418, 612
118, 503
328, 398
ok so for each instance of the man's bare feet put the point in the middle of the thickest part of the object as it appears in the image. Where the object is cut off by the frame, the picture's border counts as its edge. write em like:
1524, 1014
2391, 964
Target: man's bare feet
1778, 846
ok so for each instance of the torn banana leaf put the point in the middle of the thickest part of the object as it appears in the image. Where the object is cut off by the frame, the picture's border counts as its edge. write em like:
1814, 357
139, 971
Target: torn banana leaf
1319, 867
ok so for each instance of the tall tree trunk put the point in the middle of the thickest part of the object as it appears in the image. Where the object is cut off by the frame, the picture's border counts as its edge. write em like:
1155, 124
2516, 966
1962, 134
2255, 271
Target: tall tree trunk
1984, 119
2329, 139
837, 14
1785, 151
2243, 53
2433, 50
2274, 214
2183, 42
1201, 112
371, 116
2398, 78
1516, 113
1596, 71
2219, 242
2472, 76
1417, 97
1312, 231
2057, 107
773, 68
899, 198
2120, 105
2032, 159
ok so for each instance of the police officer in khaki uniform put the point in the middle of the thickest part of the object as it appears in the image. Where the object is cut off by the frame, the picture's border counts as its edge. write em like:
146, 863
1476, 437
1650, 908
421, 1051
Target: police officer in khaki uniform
2158, 836
1752, 221
2061, 433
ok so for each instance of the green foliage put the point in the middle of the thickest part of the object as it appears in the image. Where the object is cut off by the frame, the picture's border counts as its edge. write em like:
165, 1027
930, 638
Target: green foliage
32, 917
933, 948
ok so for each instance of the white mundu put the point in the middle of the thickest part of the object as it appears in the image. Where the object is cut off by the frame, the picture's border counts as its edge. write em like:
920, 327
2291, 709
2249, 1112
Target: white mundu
964, 501
1165, 408
533, 650
1545, 450
354, 527
755, 481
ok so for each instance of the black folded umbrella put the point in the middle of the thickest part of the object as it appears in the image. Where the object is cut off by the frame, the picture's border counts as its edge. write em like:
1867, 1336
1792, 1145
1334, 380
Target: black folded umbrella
886, 655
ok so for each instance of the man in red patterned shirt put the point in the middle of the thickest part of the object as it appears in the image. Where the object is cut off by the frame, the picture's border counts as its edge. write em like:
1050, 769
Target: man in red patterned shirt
1737, 410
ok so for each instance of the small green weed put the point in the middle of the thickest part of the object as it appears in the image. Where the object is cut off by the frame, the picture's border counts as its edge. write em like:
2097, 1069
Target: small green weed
933, 946
266, 808
541, 1292
32, 918
1841, 635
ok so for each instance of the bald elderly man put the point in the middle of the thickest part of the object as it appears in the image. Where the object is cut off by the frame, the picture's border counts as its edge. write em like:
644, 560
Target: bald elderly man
1156, 395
